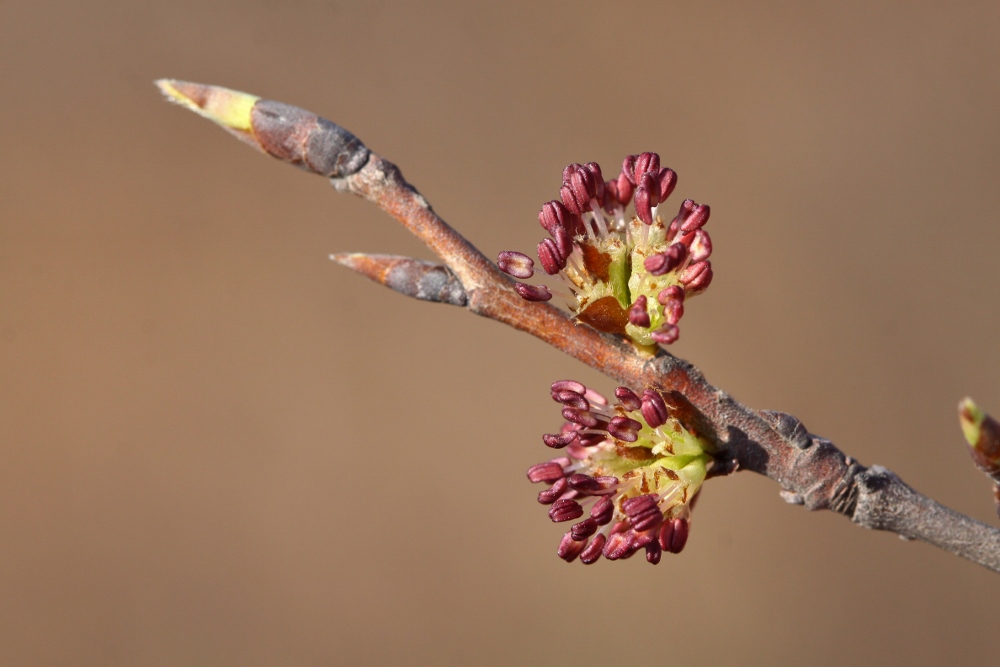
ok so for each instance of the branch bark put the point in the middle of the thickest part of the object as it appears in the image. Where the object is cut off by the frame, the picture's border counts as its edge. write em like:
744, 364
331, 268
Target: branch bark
810, 470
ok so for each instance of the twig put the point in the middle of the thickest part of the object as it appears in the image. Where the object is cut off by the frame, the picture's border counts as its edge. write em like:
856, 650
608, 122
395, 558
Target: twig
810, 470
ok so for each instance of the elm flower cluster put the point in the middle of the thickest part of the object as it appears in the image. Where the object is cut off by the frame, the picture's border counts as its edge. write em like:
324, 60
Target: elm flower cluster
631, 467
623, 273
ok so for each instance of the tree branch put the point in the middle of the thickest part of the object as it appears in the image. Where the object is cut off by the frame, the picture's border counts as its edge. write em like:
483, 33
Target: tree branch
810, 470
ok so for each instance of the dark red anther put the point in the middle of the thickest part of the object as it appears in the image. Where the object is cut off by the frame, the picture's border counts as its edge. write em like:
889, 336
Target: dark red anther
572, 399
593, 550
554, 492
697, 277
667, 180
679, 535
672, 292
673, 311
696, 219
637, 504
584, 484
654, 408
547, 472
628, 168
643, 205
598, 180
667, 334
635, 166
628, 398
565, 510
701, 246
550, 256
647, 520
559, 441
584, 529
624, 429
533, 292
637, 314
625, 189
653, 552
569, 385
570, 548
618, 545
580, 417
516, 264
579, 187
602, 511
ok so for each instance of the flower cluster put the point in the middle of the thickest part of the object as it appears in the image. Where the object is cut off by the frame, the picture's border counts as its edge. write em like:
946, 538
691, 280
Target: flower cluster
625, 274
633, 463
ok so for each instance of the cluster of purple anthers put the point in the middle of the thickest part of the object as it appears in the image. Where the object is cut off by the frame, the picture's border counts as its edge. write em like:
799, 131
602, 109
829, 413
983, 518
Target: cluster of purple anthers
632, 466
625, 274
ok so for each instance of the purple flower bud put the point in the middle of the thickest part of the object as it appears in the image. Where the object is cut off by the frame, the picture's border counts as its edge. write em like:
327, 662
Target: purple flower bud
672, 292
673, 311
533, 292
572, 399
697, 216
654, 408
569, 385
559, 441
637, 314
565, 510
579, 417
593, 551
548, 472
697, 277
628, 398
667, 180
552, 260
667, 334
516, 264
554, 492
570, 548
653, 552
701, 246
624, 428
584, 529
602, 511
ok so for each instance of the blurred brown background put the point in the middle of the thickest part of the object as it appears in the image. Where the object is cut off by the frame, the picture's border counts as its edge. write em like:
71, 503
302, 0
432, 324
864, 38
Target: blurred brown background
219, 448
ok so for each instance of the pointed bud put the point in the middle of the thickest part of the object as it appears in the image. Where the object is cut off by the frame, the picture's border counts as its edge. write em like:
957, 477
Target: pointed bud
982, 432
516, 264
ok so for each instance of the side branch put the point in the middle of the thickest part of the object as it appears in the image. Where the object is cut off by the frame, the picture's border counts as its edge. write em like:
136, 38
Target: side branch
810, 470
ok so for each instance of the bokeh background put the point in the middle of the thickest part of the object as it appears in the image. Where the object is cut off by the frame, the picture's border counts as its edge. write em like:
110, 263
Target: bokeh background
219, 448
